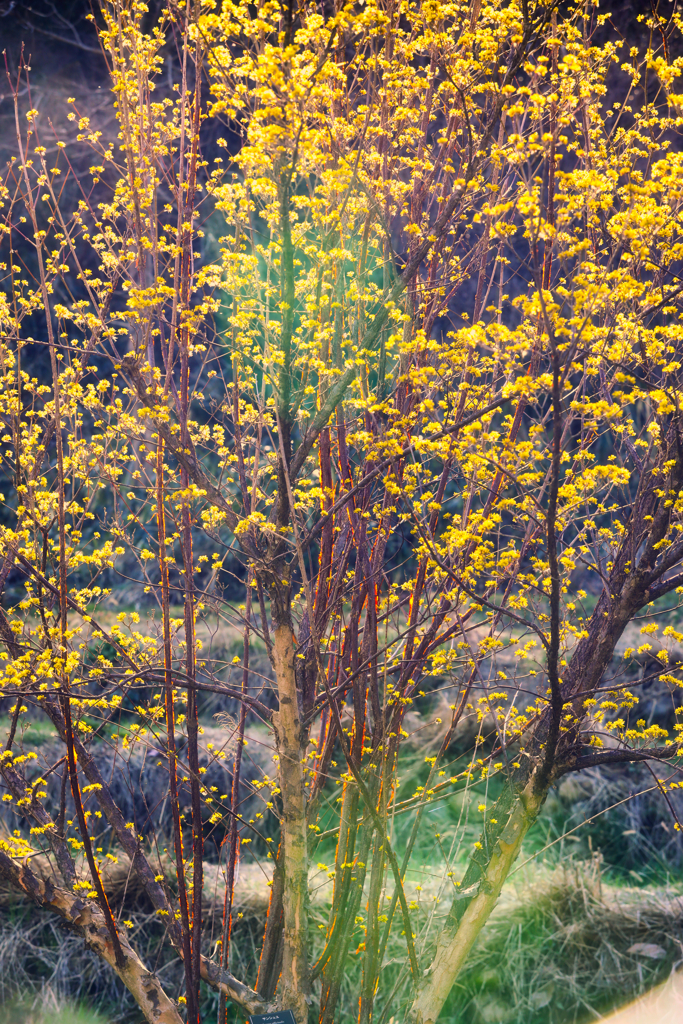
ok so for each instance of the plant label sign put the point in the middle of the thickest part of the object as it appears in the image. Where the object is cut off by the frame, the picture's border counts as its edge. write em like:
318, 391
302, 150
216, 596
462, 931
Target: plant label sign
282, 1017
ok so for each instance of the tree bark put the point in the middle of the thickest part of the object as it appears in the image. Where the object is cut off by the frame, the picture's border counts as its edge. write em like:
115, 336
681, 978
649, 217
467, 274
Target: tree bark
288, 732
461, 930
86, 917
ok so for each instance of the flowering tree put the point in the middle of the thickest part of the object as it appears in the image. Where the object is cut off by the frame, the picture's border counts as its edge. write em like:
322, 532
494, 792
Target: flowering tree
412, 346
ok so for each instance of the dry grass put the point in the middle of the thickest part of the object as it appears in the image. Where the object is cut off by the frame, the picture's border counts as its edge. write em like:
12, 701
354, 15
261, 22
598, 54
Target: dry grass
571, 949
557, 951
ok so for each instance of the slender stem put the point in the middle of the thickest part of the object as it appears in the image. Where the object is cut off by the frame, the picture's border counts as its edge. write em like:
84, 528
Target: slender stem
169, 700
233, 836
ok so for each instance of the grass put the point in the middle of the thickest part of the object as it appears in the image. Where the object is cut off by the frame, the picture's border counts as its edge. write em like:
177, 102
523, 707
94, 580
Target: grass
563, 945
571, 949
37, 730
58, 1013
558, 950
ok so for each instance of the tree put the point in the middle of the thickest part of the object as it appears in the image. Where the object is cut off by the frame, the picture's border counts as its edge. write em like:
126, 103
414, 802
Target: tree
412, 347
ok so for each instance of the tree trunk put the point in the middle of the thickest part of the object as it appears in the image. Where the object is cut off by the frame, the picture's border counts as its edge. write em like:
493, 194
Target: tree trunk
288, 732
462, 929
87, 918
